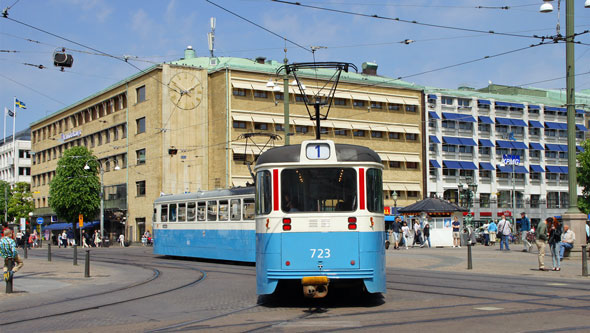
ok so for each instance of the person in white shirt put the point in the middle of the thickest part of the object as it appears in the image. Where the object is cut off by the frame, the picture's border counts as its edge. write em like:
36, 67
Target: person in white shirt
406, 234
122, 240
567, 241
505, 228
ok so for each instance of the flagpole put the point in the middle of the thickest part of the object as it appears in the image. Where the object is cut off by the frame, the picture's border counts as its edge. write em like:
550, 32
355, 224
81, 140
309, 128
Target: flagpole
5, 112
14, 142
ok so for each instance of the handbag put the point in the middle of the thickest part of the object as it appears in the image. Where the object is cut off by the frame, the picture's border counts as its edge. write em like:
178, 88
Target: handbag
499, 234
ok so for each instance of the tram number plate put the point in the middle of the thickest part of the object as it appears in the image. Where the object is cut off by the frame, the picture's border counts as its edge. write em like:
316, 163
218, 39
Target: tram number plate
320, 253
317, 151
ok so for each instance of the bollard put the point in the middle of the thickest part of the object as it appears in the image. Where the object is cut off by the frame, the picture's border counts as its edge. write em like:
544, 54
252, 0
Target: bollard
87, 264
25, 248
48, 251
469, 261
584, 261
9, 266
75, 255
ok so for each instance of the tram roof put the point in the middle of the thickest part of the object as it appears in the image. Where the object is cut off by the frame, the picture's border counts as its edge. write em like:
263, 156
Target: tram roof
207, 194
344, 153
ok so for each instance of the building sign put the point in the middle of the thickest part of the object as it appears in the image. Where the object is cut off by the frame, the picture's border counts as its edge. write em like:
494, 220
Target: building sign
386, 210
511, 159
73, 134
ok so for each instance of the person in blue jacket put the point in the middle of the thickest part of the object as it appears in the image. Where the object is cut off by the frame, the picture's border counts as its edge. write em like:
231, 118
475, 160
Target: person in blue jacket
493, 229
525, 227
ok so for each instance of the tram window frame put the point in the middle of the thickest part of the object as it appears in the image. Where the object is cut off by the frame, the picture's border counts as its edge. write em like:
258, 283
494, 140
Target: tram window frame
235, 209
201, 211
182, 212
172, 212
191, 211
263, 192
223, 210
155, 215
212, 210
374, 190
248, 209
164, 213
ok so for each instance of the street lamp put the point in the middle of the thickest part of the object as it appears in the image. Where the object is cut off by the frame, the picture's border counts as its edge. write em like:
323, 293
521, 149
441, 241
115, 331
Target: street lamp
394, 197
466, 194
87, 167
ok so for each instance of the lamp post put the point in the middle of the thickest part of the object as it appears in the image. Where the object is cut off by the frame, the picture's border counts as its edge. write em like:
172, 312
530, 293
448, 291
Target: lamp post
466, 194
394, 197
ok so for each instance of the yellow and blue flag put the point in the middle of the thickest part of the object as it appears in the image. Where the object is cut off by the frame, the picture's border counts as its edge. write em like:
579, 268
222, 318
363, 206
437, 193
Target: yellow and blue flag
19, 104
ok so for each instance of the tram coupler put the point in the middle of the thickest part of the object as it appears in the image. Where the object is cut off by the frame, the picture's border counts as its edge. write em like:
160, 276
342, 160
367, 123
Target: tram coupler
315, 286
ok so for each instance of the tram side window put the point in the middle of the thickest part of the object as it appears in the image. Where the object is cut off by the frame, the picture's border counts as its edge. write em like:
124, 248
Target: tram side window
235, 209
223, 210
212, 210
201, 211
374, 191
155, 216
190, 211
164, 213
263, 192
172, 213
182, 212
248, 209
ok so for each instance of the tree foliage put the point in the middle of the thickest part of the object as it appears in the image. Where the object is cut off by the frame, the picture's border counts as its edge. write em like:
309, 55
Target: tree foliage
4, 191
75, 189
583, 172
20, 203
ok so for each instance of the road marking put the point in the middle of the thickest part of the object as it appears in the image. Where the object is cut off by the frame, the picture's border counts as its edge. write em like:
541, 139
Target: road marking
489, 308
557, 284
319, 323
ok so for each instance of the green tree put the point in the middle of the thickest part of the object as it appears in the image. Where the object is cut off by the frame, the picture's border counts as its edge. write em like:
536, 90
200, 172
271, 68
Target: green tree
75, 189
20, 203
584, 177
5, 191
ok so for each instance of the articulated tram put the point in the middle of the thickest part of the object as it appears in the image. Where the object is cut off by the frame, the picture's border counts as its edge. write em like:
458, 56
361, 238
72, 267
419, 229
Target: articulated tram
319, 217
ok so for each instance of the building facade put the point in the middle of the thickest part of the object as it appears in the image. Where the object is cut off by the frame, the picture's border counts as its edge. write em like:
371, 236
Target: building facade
469, 133
195, 124
15, 158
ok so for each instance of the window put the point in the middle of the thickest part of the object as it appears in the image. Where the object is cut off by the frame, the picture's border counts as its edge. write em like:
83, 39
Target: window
562, 154
534, 153
261, 126
374, 191
358, 133
140, 187
358, 103
223, 210
550, 132
115, 134
263, 192
448, 124
411, 108
279, 128
140, 125
324, 130
485, 174
212, 210
376, 105
535, 176
394, 107
449, 148
411, 165
484, 150
99, 139
235, 209
182, 212
376, 134
341, 132
239, 124
550, 154
411, 136
483, 127
432, 123
239, 92
466, 149
466, 173
299, 98
140, 94
412, 194
172, 213
534, 131
463, 102
395, 164
201, 211
449, 172
563, 134
484, 200
260, 94
107, 136
248, 209
140, 156
394, 135
465, 126
339, 101
239, 157
501, 129
191, 211
446, 100
164, 213
279, 97
301, 129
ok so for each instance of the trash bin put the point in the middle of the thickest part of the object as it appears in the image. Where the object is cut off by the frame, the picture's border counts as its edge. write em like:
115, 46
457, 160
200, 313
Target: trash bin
465, 238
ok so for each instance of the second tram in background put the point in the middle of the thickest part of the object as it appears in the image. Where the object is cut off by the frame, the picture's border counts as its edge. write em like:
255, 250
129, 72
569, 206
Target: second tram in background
319, 218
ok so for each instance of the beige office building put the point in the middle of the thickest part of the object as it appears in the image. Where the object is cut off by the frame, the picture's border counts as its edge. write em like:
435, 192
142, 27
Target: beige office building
181, 127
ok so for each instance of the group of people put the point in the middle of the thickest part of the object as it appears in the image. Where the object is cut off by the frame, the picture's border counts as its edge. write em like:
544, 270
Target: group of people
560, 238
27, 239
400, 233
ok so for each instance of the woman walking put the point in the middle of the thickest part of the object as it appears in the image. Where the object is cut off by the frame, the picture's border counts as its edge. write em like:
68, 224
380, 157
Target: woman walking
426, 232
405, 233
554, 239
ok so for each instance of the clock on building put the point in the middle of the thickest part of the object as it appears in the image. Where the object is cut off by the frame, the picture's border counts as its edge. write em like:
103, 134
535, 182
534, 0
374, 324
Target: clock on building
186, 90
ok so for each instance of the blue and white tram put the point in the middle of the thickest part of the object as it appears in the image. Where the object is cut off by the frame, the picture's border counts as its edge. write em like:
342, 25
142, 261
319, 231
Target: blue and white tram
216, 224
319, 217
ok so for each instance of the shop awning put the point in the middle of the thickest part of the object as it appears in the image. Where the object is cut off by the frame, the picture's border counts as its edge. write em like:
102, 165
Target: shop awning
66, 226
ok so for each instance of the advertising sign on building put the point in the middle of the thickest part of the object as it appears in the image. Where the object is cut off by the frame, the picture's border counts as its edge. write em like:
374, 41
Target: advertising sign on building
511, 159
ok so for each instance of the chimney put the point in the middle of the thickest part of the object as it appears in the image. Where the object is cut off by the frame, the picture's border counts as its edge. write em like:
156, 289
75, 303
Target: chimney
370, 68
260, 60
189, 53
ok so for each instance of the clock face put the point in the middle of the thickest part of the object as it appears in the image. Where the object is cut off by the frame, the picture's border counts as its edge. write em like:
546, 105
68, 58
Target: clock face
186, 91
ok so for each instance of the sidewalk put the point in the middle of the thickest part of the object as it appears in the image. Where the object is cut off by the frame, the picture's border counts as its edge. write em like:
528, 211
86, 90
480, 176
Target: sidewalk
485, 259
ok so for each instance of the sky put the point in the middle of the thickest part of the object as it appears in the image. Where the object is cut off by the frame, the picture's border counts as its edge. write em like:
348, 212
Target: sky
99, 33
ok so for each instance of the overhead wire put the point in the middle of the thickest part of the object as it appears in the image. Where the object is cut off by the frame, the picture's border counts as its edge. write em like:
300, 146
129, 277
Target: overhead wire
32, 89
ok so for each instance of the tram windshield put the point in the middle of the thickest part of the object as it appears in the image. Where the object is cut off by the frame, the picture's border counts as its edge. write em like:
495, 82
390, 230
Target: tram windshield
318, 190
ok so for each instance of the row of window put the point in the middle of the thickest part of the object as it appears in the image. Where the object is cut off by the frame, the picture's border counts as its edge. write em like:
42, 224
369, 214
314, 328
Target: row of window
499, 174
210, 210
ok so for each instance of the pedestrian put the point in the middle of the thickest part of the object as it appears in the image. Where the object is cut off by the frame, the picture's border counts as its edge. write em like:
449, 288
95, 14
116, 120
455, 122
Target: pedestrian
71, 237
541, 240
426, 233
456, 232
492, 229
64, 239
486, 234
59, 240
85, 239
567, 241
10, 254
417, 234
122, 240
396, 227
405, 233
554, 239
505, 228
525, 228
19, 239
97, 240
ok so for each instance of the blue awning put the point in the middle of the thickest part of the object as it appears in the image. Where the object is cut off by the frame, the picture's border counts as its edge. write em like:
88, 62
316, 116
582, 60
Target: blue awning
434, 139
486, 166
508, 168
534, 107
451, 140
468, 165
552, 108
431, 96
503, 121
580, 111
581, 127
66, 225
536, 168
458, 117
563, 147
553, 147
504, 144
580, 148
434, 163
485, 120
518, 122
557, 126
467, 142
536, 146
485, 143
452, 164
564, 169
520, 169
535, 124
519, 145
433, 115
484, 102
553, 169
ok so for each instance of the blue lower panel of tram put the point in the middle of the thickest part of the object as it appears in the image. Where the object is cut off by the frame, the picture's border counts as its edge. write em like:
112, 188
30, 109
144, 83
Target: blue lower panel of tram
235, 245
337, 255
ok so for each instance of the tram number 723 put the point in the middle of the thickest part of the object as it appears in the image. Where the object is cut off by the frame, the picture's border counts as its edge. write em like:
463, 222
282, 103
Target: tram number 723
320, 253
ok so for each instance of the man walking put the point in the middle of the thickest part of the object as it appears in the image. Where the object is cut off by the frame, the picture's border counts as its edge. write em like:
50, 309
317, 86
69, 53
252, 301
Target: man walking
504, 228
396, 226
525, 227
9, 253
567, 241
541, 241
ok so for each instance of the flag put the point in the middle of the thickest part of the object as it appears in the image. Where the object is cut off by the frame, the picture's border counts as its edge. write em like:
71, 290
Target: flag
19, 104
8, 112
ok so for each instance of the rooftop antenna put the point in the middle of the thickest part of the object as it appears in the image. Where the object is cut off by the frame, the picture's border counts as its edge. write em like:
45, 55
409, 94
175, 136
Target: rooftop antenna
211, 37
